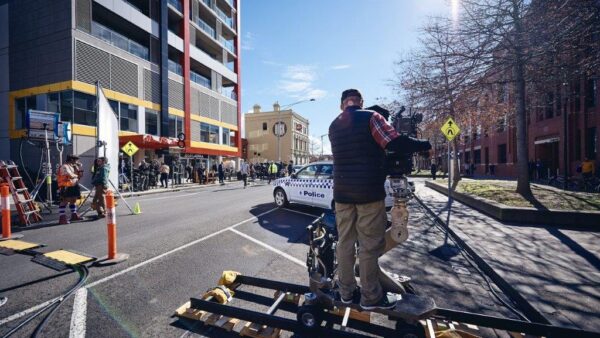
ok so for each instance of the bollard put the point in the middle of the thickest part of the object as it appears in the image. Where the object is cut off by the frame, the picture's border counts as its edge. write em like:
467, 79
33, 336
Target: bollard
6, 223
111, 224
4, 192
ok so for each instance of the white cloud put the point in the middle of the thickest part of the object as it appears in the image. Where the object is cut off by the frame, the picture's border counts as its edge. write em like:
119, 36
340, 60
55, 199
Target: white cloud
298, 81
338, 67
248, 41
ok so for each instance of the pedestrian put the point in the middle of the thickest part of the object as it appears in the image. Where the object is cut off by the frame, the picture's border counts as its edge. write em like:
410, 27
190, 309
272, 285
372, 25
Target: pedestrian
272, 171
290, 168
466, 166
539, 167
164, 175
244, 170
359, 139
188, 171
587, 168
100, 182
472, 169
68, 183
433, 170
221, 173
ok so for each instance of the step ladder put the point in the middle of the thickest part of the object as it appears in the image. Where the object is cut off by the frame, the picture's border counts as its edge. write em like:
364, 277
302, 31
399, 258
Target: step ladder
28, 210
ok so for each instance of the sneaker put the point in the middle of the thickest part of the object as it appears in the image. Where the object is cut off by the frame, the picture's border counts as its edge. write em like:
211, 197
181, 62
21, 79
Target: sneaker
75, 217
63, 220
355, 297
388, 301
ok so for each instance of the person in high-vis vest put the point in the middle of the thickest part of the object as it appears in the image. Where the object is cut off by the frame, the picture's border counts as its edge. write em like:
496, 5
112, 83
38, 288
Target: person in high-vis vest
100, 182
273, 169
68, 183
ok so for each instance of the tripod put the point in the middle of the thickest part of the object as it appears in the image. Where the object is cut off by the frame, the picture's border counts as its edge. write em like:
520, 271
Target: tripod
47, 165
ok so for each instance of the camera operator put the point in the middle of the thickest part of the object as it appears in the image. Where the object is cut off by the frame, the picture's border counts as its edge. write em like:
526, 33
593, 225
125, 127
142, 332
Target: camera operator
359, 139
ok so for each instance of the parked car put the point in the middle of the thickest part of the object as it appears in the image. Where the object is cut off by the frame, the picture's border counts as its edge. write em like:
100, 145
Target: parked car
312, 185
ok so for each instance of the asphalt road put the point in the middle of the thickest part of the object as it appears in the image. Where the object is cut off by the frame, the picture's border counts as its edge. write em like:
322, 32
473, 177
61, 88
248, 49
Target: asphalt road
178, 248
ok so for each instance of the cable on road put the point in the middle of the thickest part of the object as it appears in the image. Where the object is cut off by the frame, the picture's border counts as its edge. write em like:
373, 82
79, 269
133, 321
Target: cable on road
54, 304
469, 259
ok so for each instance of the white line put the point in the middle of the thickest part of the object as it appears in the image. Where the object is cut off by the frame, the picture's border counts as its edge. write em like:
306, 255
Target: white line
134, 267
139, 265
25, 312
302, 213
78, 317
267, 246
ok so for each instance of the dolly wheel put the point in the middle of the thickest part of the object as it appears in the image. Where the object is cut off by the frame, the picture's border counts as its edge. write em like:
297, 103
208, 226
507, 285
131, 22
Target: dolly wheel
310, 317
406, 330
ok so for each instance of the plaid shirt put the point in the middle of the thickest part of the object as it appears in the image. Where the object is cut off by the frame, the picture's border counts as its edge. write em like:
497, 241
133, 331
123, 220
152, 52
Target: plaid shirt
382, 132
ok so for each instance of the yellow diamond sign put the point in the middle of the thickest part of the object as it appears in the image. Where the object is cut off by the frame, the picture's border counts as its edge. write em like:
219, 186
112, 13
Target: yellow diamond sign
130, 148
450, 129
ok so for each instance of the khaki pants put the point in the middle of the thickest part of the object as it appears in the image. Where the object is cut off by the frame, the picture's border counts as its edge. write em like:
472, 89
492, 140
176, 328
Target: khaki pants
364, 223
98, 200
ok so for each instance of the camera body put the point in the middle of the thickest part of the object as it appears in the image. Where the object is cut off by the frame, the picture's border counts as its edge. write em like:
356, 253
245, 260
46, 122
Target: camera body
400, 164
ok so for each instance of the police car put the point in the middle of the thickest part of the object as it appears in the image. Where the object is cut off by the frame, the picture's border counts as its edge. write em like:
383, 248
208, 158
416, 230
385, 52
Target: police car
312, 185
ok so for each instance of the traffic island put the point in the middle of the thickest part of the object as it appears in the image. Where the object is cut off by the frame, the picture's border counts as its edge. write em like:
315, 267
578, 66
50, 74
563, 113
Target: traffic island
550, 206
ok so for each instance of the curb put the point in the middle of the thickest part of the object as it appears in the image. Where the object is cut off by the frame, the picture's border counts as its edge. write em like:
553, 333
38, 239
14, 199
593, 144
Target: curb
577, 219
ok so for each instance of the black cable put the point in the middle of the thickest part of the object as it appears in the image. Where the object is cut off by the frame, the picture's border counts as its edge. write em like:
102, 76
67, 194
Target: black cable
473, 265
83, 275
53, 303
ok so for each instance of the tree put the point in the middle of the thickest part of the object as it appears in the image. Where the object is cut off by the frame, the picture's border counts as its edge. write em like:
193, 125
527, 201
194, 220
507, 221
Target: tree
432, 77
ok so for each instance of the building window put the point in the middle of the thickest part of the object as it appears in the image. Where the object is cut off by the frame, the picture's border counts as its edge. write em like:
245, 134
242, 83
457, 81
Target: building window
591, 143
232, 139
502, 153
66, 105
209, 133
467, 156
477, 156
84, 111
175, 125
591, 97
264, 125
151, 122
20, 109
128, 117
225, 136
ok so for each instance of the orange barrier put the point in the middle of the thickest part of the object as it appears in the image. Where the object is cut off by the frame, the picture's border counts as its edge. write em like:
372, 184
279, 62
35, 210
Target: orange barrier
111, 223
5, 195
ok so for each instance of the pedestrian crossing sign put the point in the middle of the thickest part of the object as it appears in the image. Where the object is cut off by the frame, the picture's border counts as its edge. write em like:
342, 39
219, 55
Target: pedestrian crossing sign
450, 129
130, 148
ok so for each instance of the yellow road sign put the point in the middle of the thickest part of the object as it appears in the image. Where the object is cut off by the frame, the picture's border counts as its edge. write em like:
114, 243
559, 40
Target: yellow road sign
450, 129
130, 148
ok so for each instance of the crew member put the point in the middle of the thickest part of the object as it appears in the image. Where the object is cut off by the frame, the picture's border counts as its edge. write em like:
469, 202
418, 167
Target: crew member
272, 171
100, 182
68, 184
359, 139
587, 168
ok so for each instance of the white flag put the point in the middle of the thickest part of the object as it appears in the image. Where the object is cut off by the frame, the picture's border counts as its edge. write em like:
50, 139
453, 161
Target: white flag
108, 131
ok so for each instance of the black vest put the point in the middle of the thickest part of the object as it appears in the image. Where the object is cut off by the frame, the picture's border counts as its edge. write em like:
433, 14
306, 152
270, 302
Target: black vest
358, 161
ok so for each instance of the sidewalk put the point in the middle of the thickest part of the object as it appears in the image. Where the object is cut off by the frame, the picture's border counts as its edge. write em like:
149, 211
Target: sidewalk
556, 270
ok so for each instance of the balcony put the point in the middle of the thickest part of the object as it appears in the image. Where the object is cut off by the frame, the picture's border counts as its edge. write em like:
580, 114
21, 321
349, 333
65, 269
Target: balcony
208, 3
199, 79
228, 92
230, 2
227, 44
177, 5
119, 41
206, 28
175, 68
227, 20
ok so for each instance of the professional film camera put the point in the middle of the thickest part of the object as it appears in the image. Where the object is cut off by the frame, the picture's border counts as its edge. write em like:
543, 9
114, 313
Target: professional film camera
321, 258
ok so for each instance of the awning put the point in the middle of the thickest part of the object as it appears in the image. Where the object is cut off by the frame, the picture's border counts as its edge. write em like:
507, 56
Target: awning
148, 141
547, 140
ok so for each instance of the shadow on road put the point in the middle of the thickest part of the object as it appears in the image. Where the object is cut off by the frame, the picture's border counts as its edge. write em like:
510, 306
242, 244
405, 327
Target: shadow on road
286, 223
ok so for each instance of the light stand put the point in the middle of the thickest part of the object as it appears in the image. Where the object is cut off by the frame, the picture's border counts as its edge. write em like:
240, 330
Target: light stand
47, 165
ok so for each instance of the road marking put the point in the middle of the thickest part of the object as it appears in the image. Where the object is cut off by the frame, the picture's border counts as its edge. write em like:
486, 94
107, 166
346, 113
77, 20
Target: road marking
25, 312
267, 246
134, 267
139, 265
301, 213
78, 317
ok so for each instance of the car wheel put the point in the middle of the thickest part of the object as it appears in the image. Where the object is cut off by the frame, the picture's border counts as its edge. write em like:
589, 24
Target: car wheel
280, 198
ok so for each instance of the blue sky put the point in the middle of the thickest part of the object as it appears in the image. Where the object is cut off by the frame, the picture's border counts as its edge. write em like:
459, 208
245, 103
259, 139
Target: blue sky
295, 50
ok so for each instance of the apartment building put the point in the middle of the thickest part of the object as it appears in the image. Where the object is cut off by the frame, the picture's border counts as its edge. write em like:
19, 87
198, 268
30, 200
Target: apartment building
277, 135
167, 67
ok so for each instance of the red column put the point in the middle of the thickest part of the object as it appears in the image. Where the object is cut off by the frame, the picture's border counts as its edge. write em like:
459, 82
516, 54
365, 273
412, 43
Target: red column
185, 64
238, 70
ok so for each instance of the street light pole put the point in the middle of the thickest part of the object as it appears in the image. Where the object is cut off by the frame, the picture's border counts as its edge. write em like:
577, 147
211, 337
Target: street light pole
277, 129
322, 144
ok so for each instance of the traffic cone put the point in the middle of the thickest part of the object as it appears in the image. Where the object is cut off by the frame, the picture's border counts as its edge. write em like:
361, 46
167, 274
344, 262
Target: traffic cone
137, 209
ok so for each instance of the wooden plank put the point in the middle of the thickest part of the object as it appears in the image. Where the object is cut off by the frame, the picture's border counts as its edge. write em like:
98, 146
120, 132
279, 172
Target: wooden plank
363, 316
256, 331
